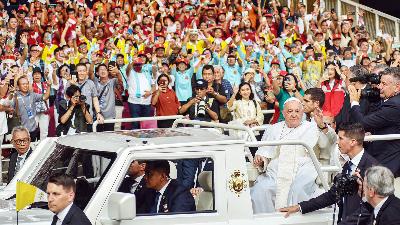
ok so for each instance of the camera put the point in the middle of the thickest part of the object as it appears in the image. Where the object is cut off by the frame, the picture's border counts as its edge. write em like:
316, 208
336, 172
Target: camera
372, 93
82, 98
201, 109
374, 78
345, 185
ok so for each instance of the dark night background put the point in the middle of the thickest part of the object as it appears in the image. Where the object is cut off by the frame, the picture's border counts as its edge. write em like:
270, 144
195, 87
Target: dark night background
391, 7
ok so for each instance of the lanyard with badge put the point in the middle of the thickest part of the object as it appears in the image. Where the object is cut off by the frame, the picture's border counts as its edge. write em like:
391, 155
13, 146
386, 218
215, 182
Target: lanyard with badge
28, 109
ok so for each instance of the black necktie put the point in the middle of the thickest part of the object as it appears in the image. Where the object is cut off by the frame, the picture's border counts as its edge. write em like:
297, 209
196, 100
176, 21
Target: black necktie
55, 218
154, 207
347, 167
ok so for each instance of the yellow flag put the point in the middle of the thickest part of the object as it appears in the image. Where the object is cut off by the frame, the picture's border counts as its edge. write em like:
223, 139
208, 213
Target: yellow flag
25, 195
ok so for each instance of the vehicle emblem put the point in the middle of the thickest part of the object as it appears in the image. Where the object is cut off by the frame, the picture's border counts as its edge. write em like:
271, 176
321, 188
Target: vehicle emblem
237, 183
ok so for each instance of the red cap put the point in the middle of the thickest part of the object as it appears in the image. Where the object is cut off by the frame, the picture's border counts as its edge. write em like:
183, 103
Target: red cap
180, 60
283, 73
337, 36
23, 8
318, 32
157, 46
275, 61
138, 60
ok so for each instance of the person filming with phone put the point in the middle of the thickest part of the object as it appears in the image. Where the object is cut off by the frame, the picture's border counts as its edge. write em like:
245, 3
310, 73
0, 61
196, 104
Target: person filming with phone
165, 101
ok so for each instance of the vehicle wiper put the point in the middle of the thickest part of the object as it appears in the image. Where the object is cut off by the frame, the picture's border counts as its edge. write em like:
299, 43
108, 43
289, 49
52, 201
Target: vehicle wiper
40, 205
12, 197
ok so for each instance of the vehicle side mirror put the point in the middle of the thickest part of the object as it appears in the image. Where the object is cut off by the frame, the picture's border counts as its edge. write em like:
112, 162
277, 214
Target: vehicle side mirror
122, 206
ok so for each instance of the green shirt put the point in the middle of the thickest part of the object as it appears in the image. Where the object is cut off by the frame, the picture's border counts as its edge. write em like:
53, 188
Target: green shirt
282, 97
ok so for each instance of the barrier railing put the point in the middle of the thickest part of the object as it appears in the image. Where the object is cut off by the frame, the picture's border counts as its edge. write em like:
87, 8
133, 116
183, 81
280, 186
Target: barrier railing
138, 119
372, 17
216, 125
296, 142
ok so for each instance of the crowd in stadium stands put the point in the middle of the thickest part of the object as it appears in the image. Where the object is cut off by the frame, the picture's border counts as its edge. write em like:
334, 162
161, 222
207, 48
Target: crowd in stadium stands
66, 64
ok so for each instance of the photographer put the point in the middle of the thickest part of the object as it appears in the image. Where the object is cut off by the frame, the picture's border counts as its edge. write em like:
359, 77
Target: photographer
350, 142
370, 95
385, 120
201, 107
74, 115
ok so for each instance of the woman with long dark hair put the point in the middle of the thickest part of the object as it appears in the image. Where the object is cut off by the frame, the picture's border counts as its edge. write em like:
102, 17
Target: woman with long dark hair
332, 84
246, 111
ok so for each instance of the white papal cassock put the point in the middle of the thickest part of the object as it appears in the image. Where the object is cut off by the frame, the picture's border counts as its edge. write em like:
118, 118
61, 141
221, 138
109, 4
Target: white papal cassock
290, 175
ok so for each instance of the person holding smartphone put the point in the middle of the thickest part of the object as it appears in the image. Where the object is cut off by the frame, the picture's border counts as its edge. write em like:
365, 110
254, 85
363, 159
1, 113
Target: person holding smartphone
165, 101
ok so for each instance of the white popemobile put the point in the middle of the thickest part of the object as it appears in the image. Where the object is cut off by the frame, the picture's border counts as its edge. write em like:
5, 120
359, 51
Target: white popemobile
100, 161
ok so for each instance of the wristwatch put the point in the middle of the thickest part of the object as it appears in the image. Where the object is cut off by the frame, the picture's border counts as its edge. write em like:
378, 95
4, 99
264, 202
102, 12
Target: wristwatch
324, 127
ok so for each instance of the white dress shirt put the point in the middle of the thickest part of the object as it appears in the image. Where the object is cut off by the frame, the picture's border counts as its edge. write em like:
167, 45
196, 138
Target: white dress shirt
23, 156
379, 206
136, 184
63, 213
355, 161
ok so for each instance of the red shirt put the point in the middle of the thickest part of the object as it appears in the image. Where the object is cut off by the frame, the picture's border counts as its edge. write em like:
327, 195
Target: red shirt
167, 104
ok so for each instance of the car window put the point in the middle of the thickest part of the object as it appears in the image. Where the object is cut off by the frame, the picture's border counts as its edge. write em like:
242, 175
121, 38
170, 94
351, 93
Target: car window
87, 167
187, 188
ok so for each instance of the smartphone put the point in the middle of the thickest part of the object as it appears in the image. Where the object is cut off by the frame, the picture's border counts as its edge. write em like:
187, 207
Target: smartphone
189, 51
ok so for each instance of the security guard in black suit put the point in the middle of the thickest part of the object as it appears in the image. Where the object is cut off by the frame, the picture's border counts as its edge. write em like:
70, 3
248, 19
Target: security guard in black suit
350, 142
61, 190
135, 184
170, 195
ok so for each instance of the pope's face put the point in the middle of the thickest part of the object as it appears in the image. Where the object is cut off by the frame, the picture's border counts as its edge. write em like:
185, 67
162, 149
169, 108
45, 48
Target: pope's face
293, 112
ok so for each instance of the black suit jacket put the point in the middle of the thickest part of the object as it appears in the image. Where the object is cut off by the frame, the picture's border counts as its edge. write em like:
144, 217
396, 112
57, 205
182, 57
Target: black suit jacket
75, 216
352, 203
144, 196
389, 212
13, 162
384, 120
176, 198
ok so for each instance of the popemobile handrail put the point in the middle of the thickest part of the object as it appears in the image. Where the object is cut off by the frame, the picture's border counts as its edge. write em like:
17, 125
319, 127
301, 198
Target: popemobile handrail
137, 119
222, 126
216, 125
295, 142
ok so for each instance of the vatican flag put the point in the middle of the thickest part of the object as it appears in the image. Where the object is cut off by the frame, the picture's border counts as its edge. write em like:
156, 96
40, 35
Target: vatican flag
28, 194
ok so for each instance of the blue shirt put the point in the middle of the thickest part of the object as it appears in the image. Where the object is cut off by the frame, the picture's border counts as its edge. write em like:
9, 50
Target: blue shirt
233, 74
183, 83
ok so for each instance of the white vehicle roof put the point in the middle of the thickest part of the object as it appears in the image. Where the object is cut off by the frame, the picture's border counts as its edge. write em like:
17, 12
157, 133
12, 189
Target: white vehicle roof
116, 140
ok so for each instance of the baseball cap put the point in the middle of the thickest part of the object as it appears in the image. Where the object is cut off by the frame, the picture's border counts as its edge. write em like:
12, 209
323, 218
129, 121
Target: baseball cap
201, 83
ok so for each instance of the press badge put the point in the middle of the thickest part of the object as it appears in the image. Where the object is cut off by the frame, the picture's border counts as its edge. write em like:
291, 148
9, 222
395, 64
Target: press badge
30, 113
